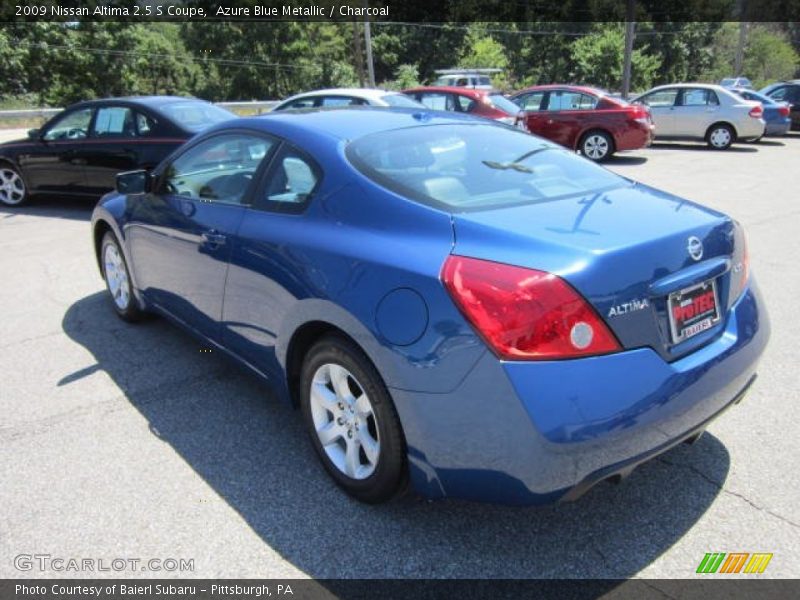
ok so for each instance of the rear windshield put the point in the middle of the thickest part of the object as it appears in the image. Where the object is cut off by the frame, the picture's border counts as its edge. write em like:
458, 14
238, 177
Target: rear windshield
401, 100
504, 104
195, 115
468, 167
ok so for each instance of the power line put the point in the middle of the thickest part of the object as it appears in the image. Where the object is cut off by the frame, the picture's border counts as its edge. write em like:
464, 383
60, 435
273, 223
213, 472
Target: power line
220, 61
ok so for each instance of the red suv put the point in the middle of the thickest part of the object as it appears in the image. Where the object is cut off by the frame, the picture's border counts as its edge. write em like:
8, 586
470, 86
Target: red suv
585, 119
483, 103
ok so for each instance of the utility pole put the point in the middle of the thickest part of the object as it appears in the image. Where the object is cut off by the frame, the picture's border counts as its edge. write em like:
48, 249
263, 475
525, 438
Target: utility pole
630, 25
368, 40
358, 53
738, 63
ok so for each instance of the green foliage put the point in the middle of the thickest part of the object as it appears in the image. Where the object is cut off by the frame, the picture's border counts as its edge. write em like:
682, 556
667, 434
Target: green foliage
406, 76
599, 61
56, 63
768, 54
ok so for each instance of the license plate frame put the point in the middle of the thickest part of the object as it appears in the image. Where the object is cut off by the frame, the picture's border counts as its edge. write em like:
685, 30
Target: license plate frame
689, 312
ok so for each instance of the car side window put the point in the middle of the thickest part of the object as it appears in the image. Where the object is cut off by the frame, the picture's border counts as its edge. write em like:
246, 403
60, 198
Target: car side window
290, 183
779, 93
660, 99
342, 101
564, 100
530, 102
438, 101
304, 103
114, 121
72, 126
219, 169
699, 97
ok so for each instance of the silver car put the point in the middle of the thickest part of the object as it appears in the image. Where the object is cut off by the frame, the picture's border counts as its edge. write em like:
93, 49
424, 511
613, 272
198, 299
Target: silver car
701, 111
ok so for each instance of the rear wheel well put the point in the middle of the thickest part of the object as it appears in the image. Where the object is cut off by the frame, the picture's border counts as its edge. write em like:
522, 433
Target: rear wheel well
717, 124
100, 231
301, 342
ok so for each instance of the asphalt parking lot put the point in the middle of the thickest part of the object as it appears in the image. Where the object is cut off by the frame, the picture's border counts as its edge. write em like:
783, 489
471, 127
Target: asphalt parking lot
121, 441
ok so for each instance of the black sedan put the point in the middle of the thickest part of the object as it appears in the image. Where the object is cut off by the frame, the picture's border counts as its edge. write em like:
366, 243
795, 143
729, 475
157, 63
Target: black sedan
80, 151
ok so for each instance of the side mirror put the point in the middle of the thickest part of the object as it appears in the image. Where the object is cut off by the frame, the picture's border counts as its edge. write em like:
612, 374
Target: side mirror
134, 182
34, 134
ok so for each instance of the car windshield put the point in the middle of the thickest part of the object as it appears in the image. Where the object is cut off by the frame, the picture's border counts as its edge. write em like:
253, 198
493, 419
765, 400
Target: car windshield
504, 104
466, 167
195, 115
401, 100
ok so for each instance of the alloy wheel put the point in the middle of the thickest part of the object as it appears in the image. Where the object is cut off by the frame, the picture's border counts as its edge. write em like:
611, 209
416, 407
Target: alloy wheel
595, 147
116, 277
344, 421
12, 188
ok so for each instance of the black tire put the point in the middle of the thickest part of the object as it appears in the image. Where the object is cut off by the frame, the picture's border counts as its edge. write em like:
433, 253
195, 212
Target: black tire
390, 471
13, 189
130, 310
720, 136
597, 145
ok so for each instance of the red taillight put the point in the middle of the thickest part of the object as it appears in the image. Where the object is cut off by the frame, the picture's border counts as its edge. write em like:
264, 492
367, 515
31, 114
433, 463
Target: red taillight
525, 314
756, 112
783, 111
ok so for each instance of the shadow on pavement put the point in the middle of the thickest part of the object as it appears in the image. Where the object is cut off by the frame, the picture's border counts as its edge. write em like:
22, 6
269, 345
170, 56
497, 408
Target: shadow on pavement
625, 159
60, 208
253, 452
738, 147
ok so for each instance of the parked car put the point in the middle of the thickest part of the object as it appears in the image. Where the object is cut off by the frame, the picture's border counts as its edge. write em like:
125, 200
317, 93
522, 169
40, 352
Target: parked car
776, 114
699, 111
80, 151
789, 92
448, 300
481, 103
478, 79
585, 119
736, 82
338, 97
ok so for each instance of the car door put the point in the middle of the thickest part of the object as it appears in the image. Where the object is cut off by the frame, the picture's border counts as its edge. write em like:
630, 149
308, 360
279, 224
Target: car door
54, 162
262, 283
565, 115
662, 108
114, 145
532, 104
695, 111
180, 234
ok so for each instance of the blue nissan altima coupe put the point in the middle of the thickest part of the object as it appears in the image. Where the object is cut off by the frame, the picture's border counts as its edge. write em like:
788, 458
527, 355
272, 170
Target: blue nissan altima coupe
453, 304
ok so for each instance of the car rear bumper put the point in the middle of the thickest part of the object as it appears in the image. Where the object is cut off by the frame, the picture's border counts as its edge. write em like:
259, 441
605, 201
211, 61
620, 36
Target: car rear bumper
634, 137
778, 128
750, 128
527, 433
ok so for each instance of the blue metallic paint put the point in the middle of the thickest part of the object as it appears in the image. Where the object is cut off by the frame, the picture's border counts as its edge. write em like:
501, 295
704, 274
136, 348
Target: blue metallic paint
475, 426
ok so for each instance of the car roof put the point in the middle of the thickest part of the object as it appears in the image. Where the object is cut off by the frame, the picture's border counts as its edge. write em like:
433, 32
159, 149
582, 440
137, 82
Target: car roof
364, 93
450, 89
713, 86
565, 86
348, 123
149, 101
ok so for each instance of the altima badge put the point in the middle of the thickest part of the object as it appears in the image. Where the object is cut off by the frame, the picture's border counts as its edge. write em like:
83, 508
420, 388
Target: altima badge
695, 248
628, 307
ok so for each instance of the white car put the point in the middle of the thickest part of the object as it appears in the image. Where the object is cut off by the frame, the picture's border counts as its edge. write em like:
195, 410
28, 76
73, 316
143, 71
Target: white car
701, 111
348, 97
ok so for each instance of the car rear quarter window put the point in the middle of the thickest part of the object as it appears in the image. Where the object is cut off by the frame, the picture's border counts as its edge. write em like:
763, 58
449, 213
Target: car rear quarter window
465, 103
438, 101
475, 167
292, 179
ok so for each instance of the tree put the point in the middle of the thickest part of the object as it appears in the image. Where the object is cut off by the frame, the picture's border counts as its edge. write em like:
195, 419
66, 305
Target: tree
598, 59
480, 50
406, 76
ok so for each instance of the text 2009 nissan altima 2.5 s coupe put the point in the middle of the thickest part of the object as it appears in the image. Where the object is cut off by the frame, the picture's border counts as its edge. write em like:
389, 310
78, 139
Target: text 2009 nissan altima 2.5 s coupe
451, 302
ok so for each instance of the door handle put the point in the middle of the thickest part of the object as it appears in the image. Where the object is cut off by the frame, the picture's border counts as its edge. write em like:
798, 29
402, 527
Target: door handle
213, 238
